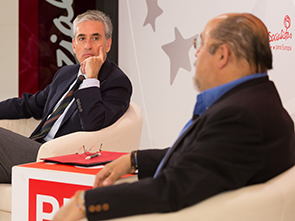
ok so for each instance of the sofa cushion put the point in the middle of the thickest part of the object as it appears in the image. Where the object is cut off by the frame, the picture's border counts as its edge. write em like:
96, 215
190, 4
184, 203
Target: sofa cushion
5, 199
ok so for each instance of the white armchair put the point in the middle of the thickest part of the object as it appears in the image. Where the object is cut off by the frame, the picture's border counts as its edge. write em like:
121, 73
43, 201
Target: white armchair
124, 135
271, 201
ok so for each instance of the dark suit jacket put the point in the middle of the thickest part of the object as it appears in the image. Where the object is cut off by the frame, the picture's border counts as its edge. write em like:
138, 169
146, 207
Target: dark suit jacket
244, 138
98, 107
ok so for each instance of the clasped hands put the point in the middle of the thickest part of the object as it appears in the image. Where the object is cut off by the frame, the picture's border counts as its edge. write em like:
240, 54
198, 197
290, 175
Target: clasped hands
106, 177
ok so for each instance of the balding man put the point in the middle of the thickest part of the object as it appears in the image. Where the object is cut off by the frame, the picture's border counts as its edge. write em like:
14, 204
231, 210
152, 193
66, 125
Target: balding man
239, 134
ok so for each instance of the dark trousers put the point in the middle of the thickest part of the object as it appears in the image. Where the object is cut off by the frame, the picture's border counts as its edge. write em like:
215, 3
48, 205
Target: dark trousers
15, 149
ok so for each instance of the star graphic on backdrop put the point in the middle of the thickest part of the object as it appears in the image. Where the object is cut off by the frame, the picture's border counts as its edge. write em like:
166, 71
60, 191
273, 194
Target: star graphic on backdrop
154, 11
178, 52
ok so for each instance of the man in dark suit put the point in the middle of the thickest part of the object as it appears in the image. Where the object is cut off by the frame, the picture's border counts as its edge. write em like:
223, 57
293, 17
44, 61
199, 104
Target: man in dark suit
101, 99
239, 135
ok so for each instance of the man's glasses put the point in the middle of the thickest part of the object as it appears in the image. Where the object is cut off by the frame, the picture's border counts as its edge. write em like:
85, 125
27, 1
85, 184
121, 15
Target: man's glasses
197, 42
88, 152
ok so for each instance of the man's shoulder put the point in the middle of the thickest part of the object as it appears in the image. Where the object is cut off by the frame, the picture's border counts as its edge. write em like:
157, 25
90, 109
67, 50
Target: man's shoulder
67, 71
255, 87
252, 94
70, 68
111, 71
110, 67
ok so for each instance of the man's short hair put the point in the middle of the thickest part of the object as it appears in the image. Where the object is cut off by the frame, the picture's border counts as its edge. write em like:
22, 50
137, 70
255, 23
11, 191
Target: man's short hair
95, 15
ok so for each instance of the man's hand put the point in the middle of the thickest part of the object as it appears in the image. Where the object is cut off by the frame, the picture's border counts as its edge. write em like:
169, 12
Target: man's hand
113, 171
91, 66
107, 176
70, 211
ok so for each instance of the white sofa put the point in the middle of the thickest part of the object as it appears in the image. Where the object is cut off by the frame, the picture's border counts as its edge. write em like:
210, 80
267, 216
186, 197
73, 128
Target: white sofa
270, 201
124, 135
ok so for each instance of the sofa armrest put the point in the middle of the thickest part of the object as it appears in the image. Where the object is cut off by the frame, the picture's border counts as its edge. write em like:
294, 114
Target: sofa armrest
123, 136
21, 126
273, 200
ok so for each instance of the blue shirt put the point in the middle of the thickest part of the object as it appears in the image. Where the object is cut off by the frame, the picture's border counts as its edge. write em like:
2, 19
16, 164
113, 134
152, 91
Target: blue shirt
210, 96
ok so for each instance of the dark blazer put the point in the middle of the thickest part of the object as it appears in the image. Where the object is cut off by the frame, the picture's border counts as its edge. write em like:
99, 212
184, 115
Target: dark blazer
244, 138
98, 107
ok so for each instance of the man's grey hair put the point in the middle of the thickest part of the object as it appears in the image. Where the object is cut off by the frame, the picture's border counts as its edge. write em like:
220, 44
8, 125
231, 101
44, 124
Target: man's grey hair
94, 15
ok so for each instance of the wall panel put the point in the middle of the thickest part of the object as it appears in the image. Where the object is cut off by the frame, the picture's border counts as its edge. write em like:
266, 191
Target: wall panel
155, 50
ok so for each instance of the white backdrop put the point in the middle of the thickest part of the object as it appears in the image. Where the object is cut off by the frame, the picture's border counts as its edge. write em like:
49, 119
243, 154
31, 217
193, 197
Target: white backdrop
155, 50
9, 48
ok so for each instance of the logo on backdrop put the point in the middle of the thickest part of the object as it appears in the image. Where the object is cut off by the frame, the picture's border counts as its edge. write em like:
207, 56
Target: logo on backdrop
44, 203
64, 25
280, 39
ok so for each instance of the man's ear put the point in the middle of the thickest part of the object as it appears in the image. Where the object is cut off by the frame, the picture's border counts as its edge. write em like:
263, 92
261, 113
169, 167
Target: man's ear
73, 44
108, 45
223, 54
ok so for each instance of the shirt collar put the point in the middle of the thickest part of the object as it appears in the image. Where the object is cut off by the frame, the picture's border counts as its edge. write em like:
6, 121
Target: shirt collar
80, 73
209, 96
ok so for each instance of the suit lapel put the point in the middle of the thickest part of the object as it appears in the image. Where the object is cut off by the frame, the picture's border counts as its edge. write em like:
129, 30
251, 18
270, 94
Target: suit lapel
176, 144
70, 111
63, 88
60, 91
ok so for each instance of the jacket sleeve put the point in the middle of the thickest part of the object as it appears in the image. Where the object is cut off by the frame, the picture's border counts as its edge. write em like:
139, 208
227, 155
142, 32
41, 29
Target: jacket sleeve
29, 105
35, 105
148, 161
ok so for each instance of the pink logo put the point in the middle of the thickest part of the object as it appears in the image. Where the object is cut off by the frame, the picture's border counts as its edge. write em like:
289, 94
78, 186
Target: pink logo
287, 22
284, 34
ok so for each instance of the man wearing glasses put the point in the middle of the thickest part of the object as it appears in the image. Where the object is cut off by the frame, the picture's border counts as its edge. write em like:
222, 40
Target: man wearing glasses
84, 97
239, 134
